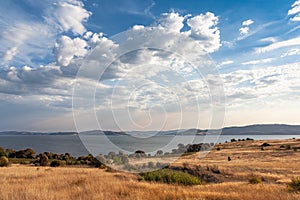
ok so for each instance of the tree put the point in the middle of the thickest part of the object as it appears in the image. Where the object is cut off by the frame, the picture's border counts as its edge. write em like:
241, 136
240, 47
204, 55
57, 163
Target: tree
159, 153
29, 153
44, 160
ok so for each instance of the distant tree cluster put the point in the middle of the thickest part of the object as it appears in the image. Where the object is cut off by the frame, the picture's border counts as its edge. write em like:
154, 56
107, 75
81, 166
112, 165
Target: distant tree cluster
11, 153
55, 160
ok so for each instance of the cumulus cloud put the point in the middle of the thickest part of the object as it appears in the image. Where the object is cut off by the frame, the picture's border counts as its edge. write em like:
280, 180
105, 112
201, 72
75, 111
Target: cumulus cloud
66, 49
68, 15
244, 30
203, 27
138, 67
247, 22
172, 22
295, 11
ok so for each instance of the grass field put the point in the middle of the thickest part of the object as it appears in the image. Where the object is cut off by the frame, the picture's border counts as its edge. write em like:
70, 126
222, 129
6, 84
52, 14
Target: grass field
275, 166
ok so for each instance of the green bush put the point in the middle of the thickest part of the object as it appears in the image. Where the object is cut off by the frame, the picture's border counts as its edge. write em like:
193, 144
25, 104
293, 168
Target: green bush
171, 177
295, 185
255, 180
4, 162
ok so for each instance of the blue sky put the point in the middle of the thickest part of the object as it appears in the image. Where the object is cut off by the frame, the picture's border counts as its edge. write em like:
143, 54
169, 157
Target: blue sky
255, 46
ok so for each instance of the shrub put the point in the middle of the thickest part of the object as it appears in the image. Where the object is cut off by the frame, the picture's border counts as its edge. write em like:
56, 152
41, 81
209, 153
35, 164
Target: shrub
265, 144
295, 185
171, 177
215, 169
44, 160
2, 152
4, 162
255, 180
57, 163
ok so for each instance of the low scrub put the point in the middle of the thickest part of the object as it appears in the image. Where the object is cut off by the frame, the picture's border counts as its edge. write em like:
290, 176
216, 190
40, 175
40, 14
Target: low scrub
295, 185
171, 177
265, 144
255, 180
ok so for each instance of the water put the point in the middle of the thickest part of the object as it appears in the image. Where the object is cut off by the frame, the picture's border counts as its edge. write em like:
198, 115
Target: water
102, 144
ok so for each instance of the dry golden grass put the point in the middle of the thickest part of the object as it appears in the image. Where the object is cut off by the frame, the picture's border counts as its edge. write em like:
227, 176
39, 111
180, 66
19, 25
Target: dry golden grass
276, 166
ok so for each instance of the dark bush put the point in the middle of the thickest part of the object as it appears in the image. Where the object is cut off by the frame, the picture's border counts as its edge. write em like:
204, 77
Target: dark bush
265, 144
57, 163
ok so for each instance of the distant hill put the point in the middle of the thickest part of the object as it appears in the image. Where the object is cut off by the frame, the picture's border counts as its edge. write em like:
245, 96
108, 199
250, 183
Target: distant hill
265, 129
258, 129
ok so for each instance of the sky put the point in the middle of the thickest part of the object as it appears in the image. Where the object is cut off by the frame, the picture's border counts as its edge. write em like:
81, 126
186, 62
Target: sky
148, 65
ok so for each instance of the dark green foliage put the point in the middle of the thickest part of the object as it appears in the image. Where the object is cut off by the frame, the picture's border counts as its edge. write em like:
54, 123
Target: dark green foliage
171, 177
57, 163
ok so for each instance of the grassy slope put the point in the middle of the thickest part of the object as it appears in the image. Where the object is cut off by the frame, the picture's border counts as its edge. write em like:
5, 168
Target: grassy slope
275, 165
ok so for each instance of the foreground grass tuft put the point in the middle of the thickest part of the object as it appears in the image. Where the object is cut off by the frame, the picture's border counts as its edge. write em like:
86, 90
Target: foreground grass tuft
171, 177
295, 185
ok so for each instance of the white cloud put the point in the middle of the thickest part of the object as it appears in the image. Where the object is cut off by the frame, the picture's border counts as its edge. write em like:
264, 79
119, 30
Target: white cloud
22, 39
8, 56
52, 83
268, 39
172, 22
255, 62
66, 49
260, 83
247, 22
226, 62
277, 45
244, 30
291, 53
203, 27
295, 10
68, 15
